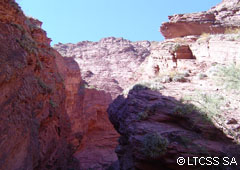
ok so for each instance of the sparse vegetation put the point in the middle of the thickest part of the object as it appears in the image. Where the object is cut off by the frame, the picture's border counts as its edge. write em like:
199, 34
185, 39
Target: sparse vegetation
174, 48
148, 111
154, 145
173, 76
151, 85
229, 77
204, 37
53, 104
184, 109
232, 31
179, 78
201, 76
87, 86
143, 115
44, 86
27, 43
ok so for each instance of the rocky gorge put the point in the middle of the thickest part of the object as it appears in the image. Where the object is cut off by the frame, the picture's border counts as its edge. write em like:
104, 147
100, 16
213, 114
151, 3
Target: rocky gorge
117, 104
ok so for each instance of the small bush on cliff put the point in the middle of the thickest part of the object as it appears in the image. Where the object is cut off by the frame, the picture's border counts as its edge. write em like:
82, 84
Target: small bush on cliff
173, 76
27, 43
154, 145
53, 104
138, 87
148, 111
143, 115
174, 48
209, 105
151, 85
44, 86
184, 109
232, 31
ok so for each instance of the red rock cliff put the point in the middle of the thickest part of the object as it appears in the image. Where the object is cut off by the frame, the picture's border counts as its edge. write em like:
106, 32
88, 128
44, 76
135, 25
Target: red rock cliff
33, 121
96, 73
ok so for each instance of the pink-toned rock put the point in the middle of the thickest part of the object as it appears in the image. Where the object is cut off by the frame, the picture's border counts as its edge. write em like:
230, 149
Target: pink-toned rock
221, 49
96, 73
214, 21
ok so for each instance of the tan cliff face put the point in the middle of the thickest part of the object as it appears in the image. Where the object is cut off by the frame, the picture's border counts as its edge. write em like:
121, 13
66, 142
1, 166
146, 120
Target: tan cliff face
33, 121
216, 20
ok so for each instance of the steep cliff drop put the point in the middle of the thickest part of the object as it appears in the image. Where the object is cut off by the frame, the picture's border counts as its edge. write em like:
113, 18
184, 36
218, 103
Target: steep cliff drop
34, 126
97, 72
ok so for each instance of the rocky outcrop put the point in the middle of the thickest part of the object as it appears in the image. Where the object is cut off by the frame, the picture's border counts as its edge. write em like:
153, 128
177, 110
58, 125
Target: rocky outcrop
216, 20
217, 48
96, 73
155, 132
112, 60
33, 122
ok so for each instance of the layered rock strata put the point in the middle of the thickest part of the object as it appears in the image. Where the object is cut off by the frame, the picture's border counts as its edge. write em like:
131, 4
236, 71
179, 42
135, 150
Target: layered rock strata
216, 20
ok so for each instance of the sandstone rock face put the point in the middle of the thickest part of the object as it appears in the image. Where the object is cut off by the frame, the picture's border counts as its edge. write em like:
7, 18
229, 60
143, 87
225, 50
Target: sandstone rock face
96, 73
216, 20
222, 49
153, 135
112, 60
33, 121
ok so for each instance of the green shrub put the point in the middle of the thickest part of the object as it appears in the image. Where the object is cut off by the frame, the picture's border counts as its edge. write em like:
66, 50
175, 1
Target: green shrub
179, 78
44, 86
138, 87
27, 43
184, 109
232, 31
229, 77
175, 47
154, 145
148, 111
53, 104
201, 76
143, 115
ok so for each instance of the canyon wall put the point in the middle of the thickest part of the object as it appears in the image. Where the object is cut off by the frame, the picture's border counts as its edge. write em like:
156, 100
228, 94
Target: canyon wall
162, 117
216, 20
54, 106
97, 72
34, 125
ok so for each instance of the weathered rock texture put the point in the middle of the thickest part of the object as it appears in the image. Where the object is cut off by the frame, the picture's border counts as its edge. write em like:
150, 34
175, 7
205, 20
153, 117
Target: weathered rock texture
154, 132
111, 60
154, 135
106, 68
216, 20
33, 122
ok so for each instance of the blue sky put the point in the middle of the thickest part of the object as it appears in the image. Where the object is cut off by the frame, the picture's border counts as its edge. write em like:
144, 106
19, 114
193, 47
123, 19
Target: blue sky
78, 20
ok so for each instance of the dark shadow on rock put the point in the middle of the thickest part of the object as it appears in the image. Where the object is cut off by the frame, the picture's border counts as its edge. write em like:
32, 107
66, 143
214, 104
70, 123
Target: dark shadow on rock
156, 130
92, 133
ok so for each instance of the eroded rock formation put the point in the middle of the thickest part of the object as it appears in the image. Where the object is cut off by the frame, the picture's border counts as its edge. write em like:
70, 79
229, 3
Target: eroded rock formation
33, 122
106, 68
216, 20
154, 134
53, 109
